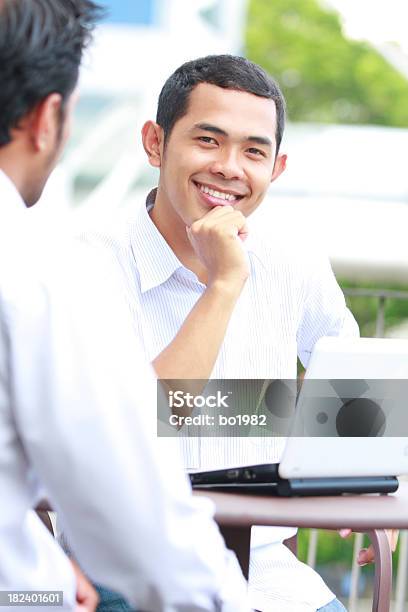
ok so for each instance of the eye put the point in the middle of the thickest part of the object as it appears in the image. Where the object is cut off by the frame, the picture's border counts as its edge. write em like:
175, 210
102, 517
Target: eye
256, 152
207, 140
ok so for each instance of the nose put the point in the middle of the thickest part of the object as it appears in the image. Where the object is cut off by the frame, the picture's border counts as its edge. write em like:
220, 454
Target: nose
228, 165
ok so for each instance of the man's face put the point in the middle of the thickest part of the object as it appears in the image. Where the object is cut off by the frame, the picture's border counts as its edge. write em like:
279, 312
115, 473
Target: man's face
222, 152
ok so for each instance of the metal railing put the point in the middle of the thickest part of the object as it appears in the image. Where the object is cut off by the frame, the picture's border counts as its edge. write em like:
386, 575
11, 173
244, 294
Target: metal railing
382, 296
399, 604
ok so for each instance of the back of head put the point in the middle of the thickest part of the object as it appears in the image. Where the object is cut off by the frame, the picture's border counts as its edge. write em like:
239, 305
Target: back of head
41, 46
226, 71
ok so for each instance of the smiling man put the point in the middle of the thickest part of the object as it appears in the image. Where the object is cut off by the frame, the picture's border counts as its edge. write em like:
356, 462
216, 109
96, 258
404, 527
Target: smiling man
211, 298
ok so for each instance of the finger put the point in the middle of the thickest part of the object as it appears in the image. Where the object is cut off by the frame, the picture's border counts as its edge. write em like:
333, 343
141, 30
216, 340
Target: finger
243, 235
233, 229
365, 556
243, 232
241, 222
237, 220
89, 604
85, 607
218, 211
91, 600
87, 596
222, 213
206, 223
392, 535
394, 539
232, 218
345, 533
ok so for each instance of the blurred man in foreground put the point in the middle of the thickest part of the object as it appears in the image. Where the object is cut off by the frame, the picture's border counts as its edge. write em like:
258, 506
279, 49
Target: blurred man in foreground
75, 393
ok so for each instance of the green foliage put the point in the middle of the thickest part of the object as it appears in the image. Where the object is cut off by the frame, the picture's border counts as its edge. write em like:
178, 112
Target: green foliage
364, 309
332, 548
325, 76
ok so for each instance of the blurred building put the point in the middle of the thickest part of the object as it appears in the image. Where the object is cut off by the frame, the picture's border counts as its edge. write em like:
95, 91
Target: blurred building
345, 187
139, 44
142, 41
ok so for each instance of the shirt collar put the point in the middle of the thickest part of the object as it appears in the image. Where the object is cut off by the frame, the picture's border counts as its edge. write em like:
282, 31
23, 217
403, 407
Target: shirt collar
154, 258
11, 200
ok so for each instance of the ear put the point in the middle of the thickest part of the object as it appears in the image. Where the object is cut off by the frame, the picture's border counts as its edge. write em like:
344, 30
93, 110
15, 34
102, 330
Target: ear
279, 166
153, 141
44, 122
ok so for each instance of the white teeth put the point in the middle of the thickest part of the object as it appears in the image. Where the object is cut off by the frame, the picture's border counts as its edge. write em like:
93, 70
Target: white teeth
218, 194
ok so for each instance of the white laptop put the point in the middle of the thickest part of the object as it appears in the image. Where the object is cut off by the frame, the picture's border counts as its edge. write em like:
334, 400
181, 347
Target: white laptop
384, 362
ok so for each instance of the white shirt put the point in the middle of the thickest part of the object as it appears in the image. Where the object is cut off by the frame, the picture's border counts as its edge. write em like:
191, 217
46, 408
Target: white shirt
289, 301
76, 406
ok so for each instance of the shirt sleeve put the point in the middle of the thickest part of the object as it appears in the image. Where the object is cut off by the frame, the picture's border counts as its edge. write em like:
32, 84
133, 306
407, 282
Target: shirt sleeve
323, 310
85, 410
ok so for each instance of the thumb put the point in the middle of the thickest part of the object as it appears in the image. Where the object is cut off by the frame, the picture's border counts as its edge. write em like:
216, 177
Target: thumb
366, 555
243, 233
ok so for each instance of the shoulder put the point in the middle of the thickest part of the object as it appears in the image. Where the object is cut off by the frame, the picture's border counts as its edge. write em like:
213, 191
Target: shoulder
283, 251
111, 237
112, 231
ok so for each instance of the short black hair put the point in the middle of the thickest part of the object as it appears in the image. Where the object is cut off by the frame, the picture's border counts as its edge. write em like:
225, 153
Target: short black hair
227, 71
41, 46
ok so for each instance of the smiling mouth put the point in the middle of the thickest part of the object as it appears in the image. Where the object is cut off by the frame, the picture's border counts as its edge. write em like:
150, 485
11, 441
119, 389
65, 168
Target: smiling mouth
224, 196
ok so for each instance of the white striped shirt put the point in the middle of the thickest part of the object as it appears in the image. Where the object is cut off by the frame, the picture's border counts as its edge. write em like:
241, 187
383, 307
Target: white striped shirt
290, 300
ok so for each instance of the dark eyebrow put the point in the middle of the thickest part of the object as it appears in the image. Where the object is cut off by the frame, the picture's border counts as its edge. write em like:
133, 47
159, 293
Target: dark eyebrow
208, 127
261, 140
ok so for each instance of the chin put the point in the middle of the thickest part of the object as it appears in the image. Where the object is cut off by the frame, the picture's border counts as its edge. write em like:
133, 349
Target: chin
190, 216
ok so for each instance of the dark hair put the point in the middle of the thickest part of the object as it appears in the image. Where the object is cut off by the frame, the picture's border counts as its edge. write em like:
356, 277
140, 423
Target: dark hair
227, 71
41, 45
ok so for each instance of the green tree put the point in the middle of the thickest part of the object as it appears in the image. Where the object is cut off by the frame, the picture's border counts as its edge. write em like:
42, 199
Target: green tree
325, 76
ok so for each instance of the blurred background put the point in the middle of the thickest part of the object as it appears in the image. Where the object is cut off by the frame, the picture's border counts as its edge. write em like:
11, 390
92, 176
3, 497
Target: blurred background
343, 66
